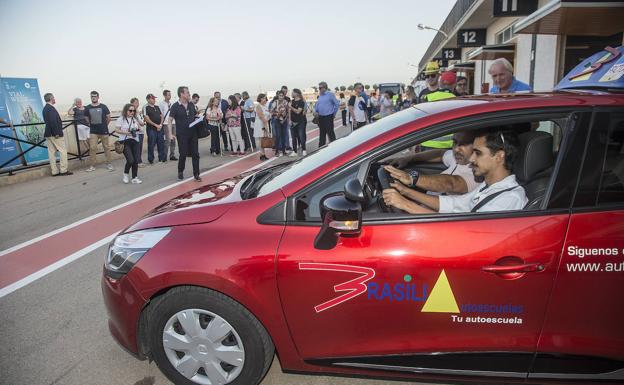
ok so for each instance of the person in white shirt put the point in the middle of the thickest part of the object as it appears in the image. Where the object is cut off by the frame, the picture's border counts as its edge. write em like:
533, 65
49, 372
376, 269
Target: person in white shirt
456, 179
127, 126
168, 124
493, 156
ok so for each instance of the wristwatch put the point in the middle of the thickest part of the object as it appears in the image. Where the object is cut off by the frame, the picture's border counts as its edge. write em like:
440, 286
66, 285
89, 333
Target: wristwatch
414, 174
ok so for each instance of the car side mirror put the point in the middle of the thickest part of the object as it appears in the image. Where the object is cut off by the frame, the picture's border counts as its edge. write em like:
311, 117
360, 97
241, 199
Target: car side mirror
341, 215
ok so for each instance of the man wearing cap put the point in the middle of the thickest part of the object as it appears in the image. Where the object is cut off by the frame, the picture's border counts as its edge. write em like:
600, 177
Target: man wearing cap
446, 83
431, 72
155, 132
501, 72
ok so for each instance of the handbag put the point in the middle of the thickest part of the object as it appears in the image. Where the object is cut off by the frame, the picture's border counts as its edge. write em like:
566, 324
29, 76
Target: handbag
267, 141
119, 147
315, 120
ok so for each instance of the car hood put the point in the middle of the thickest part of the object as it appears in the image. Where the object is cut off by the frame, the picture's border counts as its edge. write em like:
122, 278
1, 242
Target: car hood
201, 205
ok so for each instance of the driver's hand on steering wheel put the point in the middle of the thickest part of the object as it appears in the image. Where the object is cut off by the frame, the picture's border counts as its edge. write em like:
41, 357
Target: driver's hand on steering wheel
399, 175
394, 198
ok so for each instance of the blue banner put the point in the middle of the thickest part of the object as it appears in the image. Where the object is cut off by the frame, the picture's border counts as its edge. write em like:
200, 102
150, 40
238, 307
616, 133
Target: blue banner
25, 106
8, 147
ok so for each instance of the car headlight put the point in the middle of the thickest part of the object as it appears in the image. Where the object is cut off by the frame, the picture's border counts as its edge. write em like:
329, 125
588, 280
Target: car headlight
126, 250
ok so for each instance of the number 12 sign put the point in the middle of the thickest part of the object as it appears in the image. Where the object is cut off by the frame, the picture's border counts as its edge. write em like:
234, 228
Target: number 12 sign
471, 37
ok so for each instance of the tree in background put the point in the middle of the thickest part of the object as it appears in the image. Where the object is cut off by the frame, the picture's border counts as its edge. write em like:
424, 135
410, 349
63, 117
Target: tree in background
343, 88
375, 87
366, 87
350, 88
337, 89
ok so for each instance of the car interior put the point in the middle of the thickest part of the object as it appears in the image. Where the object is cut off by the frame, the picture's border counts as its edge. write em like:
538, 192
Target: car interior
538, 147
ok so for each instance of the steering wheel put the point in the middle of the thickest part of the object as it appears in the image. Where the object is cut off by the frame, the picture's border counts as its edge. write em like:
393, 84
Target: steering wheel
384, 181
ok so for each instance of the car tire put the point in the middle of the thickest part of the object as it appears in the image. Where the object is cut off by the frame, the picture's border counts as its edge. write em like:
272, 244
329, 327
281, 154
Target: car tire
185, 307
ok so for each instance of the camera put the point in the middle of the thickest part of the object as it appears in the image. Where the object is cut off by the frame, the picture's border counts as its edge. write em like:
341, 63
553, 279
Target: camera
133, 132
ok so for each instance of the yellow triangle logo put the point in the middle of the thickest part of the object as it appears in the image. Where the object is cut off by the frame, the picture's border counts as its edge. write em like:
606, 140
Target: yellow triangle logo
441, 299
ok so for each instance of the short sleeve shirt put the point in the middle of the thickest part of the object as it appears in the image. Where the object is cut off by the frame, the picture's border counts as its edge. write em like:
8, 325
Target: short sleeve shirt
296, 104
97, 118
154, 114
510, 200
462, 170
127, 124
248, 104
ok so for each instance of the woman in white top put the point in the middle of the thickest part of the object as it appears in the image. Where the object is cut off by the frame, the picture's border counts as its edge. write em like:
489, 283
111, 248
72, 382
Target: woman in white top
138, 115
261, 124
385, 104
127, 126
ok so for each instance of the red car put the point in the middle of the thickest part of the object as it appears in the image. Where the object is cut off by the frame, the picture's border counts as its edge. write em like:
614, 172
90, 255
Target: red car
304, 260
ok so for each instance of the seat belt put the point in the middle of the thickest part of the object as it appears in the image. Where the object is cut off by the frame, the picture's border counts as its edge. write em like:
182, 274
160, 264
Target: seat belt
488, 198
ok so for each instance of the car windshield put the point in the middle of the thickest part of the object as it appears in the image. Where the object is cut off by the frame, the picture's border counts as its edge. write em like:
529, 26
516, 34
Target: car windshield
334, 149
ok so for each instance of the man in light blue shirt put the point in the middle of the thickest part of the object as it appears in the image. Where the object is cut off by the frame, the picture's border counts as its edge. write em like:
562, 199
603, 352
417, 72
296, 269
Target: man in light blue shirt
325, 109
501, 71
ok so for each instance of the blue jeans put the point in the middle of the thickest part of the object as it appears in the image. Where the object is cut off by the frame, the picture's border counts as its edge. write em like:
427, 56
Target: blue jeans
156, 138
299, 138
280, 131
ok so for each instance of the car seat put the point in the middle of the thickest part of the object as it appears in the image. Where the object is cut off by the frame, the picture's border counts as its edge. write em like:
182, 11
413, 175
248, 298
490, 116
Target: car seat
534, 166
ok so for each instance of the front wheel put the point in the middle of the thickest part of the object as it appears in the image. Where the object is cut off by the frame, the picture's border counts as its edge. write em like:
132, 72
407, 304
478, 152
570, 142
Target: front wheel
200, 336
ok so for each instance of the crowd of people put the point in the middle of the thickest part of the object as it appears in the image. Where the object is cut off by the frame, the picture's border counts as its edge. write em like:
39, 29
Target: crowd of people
239, 125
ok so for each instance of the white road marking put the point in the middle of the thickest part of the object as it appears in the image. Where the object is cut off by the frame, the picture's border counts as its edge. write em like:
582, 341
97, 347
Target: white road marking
55, 266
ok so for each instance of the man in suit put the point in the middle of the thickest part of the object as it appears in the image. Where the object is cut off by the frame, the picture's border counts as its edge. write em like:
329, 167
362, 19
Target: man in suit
54, 136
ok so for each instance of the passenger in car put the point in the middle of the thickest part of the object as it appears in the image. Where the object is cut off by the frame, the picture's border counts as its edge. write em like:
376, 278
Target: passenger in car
493, 156
456, 179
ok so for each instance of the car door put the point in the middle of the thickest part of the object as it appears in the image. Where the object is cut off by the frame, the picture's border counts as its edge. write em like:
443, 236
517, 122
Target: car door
583, 336
410, 292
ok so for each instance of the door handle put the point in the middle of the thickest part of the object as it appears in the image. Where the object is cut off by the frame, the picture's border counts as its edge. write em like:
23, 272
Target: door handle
523, 268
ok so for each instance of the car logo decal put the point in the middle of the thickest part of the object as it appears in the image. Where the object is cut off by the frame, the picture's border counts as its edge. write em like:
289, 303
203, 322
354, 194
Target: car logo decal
353, 287
441, 299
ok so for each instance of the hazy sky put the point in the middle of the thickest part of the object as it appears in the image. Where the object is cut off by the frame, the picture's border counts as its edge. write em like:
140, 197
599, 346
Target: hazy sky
128, 48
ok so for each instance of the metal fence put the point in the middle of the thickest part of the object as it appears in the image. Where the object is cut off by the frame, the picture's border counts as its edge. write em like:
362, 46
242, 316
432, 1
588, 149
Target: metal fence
41, 143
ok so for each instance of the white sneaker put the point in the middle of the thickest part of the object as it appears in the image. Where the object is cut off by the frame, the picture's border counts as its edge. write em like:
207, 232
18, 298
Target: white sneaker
91, 168
110, 167
304, 153
277, 155
126, 178
136, 180
293, 154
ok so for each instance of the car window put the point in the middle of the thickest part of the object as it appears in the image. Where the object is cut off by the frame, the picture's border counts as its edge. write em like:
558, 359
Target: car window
338, 147
534, 176
602, 178
307, 205
612, 177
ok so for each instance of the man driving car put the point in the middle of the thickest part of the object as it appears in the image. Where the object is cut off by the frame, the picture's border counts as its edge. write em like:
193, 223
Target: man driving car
456, 179
493, 157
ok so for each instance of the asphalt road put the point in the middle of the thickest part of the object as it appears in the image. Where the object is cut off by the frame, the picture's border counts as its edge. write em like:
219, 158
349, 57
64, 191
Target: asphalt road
54, 330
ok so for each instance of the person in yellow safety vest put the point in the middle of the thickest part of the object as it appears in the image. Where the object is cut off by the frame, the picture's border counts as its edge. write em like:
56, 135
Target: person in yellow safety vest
446, 84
